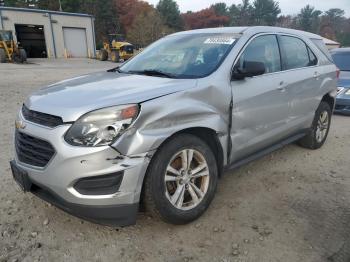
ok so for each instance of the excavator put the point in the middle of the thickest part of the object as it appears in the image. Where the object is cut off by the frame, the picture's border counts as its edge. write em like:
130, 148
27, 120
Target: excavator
9, 49
116, 49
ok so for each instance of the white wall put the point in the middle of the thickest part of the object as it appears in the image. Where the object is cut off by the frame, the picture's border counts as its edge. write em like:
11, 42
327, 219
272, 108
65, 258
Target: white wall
53, 32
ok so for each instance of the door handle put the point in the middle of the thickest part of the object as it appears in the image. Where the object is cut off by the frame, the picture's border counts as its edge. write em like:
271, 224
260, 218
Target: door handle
281, 86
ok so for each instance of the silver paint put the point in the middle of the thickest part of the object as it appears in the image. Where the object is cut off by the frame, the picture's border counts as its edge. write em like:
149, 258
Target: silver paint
266, 109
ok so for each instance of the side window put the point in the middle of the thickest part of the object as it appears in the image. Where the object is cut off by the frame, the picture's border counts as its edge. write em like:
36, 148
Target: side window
262, 49
312, 58
295, 53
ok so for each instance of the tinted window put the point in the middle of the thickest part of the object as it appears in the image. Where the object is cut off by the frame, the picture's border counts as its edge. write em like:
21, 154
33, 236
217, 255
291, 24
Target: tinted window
312, 58
294, 53
342, 60
262, 49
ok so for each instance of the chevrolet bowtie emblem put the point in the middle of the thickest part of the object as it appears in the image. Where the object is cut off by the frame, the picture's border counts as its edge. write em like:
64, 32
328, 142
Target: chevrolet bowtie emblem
19, 124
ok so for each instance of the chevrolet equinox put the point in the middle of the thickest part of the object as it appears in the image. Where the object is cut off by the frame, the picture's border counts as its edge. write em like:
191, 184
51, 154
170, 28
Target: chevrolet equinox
163, 127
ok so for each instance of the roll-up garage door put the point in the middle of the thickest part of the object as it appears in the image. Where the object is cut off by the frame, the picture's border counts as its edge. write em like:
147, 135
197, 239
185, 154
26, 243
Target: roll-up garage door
75, 42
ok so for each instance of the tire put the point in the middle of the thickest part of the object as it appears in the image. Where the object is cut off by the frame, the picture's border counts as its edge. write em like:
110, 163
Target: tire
17, 58
115, 56
103, 55
318, 133
158, 193
2, 56
23, 54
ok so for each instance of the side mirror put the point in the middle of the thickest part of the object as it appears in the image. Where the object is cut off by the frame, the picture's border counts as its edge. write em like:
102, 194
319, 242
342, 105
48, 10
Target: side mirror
250, 69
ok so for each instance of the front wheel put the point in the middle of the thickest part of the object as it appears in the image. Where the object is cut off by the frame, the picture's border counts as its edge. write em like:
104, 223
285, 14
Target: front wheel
181, 180
319, 129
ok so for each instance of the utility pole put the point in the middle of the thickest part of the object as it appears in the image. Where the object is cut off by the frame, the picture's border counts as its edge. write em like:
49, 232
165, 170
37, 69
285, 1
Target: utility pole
59, 1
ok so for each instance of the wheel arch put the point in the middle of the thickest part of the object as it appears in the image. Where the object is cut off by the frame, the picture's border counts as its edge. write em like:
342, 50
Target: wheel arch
209, 136
330, 99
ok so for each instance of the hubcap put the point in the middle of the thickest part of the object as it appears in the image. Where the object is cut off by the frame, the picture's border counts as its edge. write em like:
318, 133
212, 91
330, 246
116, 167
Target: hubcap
186, 179
322, 126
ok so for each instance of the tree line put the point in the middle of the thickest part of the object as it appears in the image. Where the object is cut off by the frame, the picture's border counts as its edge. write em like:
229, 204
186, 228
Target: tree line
143, 23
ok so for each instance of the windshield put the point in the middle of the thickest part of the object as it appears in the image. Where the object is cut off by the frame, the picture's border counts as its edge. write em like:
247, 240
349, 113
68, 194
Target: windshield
182, 56
342, 61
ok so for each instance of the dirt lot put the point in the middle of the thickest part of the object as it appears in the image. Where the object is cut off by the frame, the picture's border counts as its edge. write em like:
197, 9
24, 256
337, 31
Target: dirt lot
292, 205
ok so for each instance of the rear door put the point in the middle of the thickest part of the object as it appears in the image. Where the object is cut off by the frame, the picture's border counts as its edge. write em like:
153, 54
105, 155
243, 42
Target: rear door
303, 79
260, 103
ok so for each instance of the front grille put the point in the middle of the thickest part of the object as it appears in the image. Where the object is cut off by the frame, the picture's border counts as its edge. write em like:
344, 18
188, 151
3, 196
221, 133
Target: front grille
41, 118
33, 151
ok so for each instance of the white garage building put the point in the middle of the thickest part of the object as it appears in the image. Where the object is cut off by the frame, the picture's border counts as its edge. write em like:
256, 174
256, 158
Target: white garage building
50, 34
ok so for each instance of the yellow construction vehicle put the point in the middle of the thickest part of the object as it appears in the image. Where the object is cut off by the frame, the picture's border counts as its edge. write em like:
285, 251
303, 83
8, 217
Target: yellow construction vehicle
116, 48
9, 50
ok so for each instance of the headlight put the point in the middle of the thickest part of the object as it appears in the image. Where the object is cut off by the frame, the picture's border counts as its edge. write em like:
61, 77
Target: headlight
348, 92
340, 90
101, 127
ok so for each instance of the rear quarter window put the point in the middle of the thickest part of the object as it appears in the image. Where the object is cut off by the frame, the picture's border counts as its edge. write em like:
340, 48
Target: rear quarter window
322, 47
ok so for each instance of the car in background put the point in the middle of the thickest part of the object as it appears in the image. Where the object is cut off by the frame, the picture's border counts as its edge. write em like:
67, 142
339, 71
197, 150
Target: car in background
341, 57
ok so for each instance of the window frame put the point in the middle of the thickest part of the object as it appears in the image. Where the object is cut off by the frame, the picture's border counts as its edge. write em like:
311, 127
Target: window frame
277, 35
238, 57
308, 49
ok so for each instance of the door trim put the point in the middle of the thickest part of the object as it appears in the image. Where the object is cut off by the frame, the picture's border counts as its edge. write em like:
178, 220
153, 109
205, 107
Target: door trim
267, 150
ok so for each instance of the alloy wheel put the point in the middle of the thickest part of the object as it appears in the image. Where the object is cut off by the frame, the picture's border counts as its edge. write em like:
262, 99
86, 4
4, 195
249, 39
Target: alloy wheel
186, 179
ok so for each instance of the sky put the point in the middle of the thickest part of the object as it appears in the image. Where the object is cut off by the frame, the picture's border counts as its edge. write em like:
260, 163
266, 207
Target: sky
288, 7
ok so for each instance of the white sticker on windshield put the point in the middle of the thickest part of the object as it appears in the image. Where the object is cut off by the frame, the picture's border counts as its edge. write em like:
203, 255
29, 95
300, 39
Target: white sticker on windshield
220, 40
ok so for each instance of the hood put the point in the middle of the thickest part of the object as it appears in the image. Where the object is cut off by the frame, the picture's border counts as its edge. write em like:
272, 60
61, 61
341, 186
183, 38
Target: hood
344, 79
74, 97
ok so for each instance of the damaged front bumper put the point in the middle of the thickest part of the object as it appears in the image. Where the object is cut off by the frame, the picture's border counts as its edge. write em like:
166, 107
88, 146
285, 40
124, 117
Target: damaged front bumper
98, 184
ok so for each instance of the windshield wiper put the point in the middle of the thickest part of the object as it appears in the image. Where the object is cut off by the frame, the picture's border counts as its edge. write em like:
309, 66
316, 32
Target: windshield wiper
115, 69
152, 72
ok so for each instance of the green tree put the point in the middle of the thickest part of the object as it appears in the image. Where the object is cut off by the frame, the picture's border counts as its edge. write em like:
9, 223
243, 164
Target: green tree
170, 12
147, 27
309, 19
15, 3
49, 5
333, 24
242, 14
221, 9
265, 12
72, 6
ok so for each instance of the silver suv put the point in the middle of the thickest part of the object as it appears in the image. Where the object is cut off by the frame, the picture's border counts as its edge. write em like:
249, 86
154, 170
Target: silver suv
162, 128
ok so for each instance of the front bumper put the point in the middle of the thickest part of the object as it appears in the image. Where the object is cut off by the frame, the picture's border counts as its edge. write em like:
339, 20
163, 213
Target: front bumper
55, 182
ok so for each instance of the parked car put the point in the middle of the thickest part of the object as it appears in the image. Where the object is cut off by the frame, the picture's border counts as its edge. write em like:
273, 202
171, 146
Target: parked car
341, 57
162, 133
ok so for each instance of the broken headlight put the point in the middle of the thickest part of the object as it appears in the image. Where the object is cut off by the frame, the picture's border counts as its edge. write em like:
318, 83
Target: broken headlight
101, 127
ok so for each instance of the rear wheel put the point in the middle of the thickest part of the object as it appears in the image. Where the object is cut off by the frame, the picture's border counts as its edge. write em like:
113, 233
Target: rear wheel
2, 56
23, 54
320, 128
103, 55
17, 58
115, 56
181, 180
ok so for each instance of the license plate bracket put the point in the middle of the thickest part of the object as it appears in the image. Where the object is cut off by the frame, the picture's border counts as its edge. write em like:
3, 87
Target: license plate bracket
21, 177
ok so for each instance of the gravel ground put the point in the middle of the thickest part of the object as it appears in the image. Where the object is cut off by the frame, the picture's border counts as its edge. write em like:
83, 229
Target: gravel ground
292, 205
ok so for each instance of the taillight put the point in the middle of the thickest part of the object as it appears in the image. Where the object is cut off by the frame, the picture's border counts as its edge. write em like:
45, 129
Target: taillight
338, 73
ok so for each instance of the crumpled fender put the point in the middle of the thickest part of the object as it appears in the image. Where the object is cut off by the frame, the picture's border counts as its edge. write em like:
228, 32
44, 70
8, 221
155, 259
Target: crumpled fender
162, 117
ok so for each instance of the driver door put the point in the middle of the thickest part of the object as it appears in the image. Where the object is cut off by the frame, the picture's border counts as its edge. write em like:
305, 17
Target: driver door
260, 103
